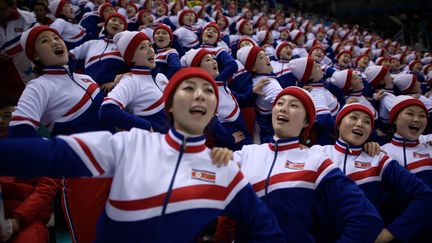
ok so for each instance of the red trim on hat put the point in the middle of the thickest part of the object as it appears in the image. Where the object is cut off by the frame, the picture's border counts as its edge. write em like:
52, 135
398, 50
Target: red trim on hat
214, 25
102, 9
347, 85
343, 52
308, 70
31, 39
266, 37
196, 61
184, 74
166, 28
305, 99
132, 46
411, 65
380, 76
280, 47
360, 57
313, 48
297, 37
121, 17
413, 81
242, 23
245, 38
404, 104
183, 13
251, 58
59, 8
354, 107
140, 14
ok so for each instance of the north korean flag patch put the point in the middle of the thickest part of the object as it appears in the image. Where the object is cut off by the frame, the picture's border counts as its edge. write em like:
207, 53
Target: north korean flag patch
294, 165
204, 175
362, 165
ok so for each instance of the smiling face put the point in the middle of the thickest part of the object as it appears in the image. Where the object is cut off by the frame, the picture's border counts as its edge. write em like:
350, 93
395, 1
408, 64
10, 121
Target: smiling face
262, 64
355, 128
161, 38
115, 25
411, 122
50, 49
130, 11
288, 117
144, 55
193, 106
210, 64
210, 36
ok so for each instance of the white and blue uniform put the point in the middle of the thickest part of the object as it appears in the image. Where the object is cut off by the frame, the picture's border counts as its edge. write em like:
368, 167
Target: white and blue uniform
283, 73
159, 183
72, 34
103, 60
65, 103
379, 175
412, 155
185, 38
292, 181
167, 61
140, 94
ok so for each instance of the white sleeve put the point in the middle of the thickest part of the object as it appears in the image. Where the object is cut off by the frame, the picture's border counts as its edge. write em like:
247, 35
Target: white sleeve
58, 24
31, 105
101, 152
123, 93
271, 90
80, 52
320, 103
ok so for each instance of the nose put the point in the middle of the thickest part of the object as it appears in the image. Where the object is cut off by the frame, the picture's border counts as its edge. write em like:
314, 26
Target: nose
199, 94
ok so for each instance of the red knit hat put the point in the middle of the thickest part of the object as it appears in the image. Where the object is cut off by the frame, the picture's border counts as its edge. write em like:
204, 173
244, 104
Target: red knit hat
166, 28
405, 81
280, 46
302, 68
102, 8
193, 57
123, 19
403, 101
313, 48
214, 25
56, 6
127, 42
342, 79
247, 56
29, 37
182, 75
343, 52
182, 13
354, 107
140, 14
305, 98
246, 38
375, 74
412, 63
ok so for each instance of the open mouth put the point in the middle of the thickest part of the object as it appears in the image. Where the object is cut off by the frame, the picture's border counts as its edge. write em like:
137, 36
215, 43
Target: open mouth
414, 127
151, 59
59, 51
357, 132
198, 110
281, 119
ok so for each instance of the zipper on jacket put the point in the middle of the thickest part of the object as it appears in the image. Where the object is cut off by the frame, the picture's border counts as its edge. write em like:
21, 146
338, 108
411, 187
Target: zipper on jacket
345, 159
267, 182
168, 194
404, 153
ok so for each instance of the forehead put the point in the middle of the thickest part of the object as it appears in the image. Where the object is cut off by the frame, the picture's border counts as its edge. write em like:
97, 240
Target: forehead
46, 33
196, 81
414, 108
116, 19
210, 28
161, 31
360, 114
289, 98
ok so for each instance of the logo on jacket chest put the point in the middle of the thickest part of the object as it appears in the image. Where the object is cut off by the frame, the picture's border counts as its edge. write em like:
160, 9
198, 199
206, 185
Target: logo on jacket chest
85, 80
362, 165
294, 165
420, 156
204, 175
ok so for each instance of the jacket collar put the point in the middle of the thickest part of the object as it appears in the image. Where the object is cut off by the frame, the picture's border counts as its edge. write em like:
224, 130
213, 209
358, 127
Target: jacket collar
399, 141
193, 144
343, 147
284, 144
